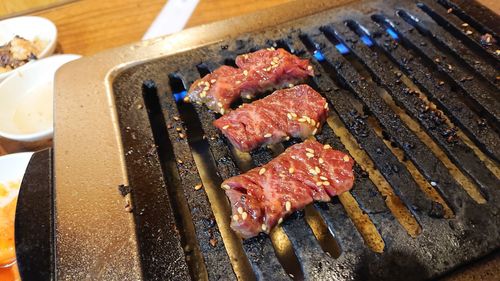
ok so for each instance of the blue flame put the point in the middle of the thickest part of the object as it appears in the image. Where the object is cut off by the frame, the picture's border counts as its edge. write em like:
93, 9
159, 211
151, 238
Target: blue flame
342, 48
180, 96
318, 55
367, 40
392, 33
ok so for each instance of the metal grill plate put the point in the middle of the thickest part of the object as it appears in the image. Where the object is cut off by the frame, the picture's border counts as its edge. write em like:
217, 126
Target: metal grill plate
169, 147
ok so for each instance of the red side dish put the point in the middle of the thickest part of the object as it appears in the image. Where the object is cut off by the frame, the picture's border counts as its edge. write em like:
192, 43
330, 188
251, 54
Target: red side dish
257, 72
305, 172
296, 112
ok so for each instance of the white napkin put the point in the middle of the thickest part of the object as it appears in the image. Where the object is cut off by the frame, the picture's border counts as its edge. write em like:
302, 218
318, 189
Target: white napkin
172, 18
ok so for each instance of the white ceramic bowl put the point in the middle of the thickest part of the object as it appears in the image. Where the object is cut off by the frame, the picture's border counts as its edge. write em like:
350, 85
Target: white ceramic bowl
30, 28
26, 100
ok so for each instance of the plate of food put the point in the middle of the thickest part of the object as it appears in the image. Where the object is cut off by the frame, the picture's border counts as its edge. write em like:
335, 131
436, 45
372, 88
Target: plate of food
23, 40
12, 169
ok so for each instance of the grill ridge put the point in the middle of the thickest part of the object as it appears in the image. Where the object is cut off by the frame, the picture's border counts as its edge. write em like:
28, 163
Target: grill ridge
472, 40
473, 20
315, 264
470, 234
451, 45
456, 149
429, 165
367, 195
260, 249
475, 91
376, 149
452, 104
208, 235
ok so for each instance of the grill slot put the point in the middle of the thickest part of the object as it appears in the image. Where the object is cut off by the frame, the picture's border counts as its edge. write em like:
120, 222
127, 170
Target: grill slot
458, 77
424, 185
362, 234
459, 112
448, 43
377, 151
444, 38
259, 250
286, 257
429, 166
213, 247
462, 18
488, 22
434, 124
324, 236
169, 166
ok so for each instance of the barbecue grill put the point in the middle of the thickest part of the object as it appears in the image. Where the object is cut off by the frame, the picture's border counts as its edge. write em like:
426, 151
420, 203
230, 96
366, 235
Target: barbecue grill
413, 89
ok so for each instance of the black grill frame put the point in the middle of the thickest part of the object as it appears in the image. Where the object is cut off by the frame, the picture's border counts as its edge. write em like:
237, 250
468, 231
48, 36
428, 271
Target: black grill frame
438, 249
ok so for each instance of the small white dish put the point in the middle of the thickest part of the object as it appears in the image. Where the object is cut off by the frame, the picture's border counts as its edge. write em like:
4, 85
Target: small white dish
29, 28
26, 100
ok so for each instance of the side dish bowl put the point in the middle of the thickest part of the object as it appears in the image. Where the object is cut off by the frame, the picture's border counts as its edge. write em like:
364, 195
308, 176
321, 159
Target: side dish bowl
26, 100
30, 28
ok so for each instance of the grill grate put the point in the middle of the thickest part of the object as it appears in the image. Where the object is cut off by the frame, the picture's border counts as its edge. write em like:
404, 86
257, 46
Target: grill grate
378, 68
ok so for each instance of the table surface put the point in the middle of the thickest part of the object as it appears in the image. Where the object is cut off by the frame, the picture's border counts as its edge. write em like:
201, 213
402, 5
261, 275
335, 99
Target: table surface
89, 26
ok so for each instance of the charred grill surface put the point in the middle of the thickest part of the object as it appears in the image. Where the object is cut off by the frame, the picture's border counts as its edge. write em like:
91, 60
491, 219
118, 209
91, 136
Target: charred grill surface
432, 120
447, 97
176, 159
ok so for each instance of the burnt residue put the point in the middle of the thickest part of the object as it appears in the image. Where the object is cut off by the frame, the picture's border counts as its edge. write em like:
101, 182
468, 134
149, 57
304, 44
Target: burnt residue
124, 189
414, 103
449, 99
482, 95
